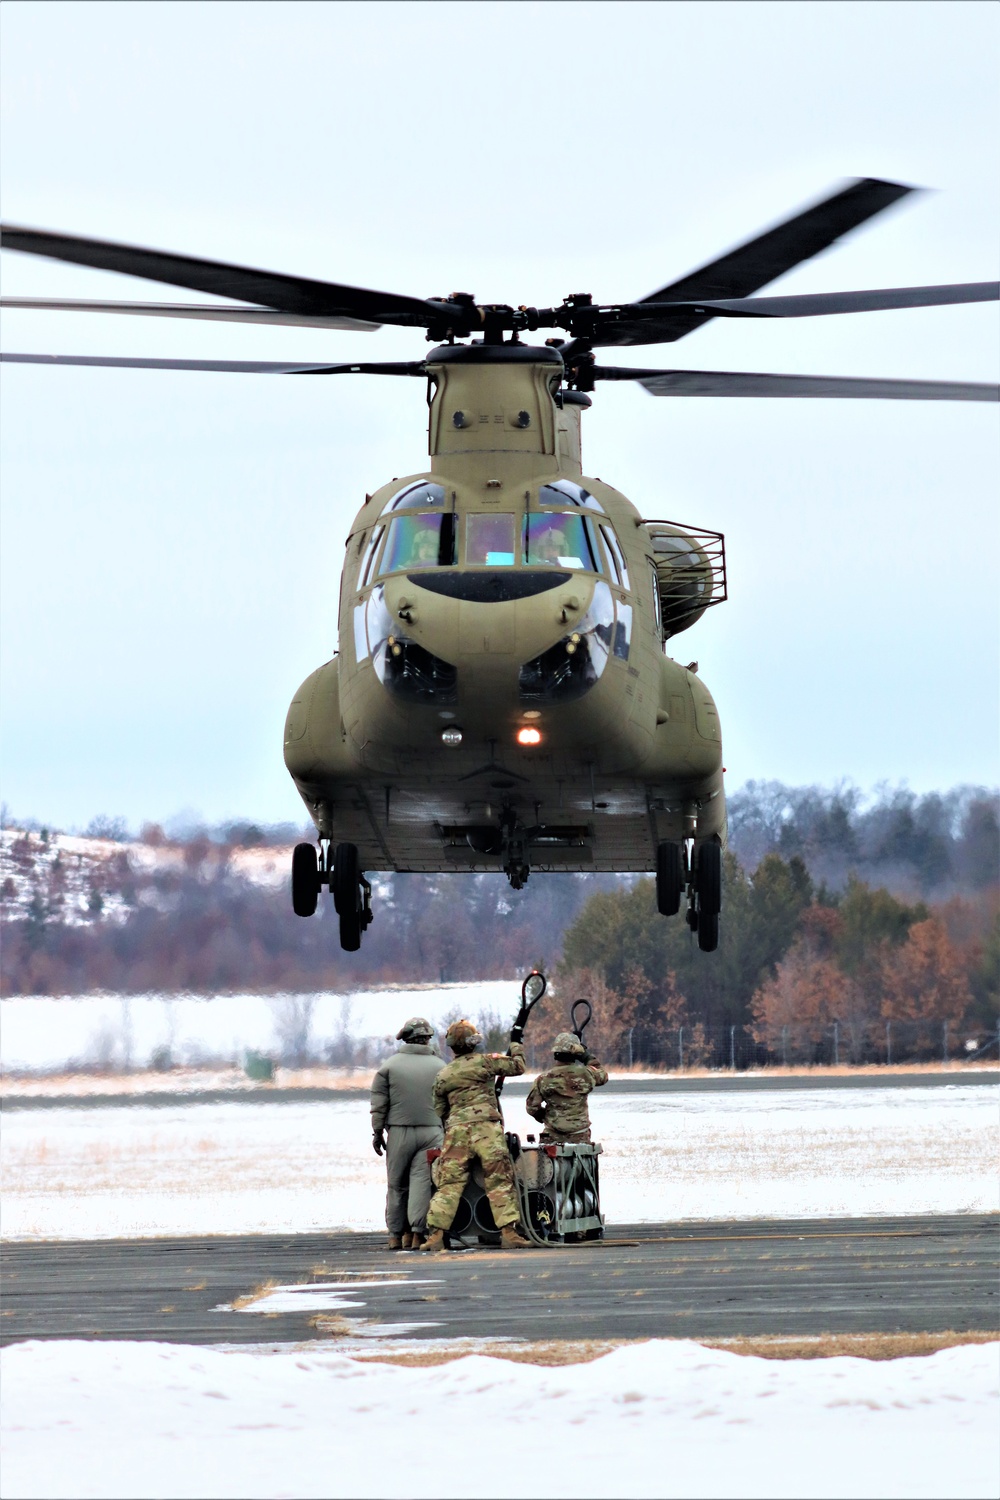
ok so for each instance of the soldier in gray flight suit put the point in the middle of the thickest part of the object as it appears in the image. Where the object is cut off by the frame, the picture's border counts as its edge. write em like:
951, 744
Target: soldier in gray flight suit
401, 1103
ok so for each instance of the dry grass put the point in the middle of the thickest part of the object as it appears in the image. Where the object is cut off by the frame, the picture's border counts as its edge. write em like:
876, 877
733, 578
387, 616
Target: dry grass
875, 1346
249, 1298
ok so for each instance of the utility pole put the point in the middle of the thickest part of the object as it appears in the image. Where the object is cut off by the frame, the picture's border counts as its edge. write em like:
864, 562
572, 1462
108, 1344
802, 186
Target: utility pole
836, 1044
680, 1048
732, 1048
888, 1044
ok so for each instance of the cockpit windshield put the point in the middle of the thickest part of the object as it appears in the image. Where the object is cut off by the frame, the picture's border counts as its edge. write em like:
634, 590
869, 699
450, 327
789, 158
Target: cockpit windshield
419, 542
414, 495
561, 490
560, 541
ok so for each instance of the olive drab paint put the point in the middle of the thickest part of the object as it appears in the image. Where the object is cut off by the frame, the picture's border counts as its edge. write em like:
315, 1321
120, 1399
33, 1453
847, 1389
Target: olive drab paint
461, 620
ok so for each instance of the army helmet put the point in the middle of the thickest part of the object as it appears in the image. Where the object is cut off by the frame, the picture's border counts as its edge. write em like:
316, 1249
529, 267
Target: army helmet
416, 1029
463, 1036
567, 1043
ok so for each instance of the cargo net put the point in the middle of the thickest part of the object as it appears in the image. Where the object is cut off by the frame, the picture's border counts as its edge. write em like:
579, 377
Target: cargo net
690, 572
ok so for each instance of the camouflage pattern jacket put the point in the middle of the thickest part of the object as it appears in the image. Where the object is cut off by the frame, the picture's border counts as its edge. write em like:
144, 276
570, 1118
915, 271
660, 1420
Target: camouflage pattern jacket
559, 1097
465, 1090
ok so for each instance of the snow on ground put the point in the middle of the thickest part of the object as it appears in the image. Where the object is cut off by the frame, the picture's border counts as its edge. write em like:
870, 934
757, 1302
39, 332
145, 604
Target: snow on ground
656, 1419
257, 1167
41, 1033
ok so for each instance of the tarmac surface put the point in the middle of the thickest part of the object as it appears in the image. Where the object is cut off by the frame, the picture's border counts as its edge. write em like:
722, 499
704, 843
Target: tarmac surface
788, 1277
670, 1084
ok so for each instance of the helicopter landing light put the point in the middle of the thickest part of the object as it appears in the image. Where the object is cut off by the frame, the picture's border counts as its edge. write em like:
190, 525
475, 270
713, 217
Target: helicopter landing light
529, 735
451, 736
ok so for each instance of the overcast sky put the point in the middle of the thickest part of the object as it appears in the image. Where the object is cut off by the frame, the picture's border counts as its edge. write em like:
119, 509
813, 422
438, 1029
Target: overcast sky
172, 543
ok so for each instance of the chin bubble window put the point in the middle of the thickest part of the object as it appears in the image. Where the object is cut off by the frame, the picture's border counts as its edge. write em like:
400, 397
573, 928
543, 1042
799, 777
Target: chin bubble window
561, 490
489, 541
419, 542
570, 668
559, 541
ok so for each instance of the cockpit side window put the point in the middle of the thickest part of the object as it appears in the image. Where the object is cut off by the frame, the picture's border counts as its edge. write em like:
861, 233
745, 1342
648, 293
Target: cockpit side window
616, 554
489, 541
560, 541
561, 490
416, 495
364, 572
419, 542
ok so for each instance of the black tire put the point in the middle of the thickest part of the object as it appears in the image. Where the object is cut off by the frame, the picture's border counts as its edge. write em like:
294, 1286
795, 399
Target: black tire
305, 880
669, 879
346, 878
709, 879
347, 895
708, 931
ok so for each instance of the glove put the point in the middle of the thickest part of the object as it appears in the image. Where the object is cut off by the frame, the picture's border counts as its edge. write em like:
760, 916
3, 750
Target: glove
516, 1033
378, 1142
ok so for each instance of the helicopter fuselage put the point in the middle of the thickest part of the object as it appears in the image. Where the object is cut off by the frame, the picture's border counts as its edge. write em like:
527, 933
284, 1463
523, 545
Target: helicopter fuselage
501, 698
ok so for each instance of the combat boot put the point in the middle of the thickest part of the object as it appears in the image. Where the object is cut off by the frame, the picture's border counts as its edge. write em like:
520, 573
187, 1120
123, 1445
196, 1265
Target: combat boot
512, 1238
434, 1241
395, 1243
417, 1241
407, 1241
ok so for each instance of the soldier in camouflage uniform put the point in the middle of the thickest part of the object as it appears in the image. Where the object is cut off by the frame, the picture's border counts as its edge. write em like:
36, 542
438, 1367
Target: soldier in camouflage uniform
559, 1097
465, 1097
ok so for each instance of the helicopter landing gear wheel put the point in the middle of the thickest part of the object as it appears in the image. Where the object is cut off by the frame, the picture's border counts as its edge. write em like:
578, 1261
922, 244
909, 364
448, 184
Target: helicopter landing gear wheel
708, 931
305, 880
708, 878
669, 878
351, 896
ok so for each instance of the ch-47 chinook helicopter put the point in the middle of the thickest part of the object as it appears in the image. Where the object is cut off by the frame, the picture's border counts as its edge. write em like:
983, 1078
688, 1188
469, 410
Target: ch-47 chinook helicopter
502, 699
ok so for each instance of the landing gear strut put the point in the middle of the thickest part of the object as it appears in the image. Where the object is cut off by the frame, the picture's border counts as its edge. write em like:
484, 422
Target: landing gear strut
340, 869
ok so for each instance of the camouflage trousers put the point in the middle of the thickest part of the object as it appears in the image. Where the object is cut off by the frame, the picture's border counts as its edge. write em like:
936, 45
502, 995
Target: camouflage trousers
463, 1143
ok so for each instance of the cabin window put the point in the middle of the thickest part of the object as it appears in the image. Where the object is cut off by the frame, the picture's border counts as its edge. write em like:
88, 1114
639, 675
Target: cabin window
563, 541
616, 555
415, 495
571, 667
489, 541
419, 542
561, 490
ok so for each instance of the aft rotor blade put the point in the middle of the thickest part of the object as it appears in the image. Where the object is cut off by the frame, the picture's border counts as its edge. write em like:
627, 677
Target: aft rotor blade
752, 265
820, 304
294, 294
732, 383
224, 366
212, 312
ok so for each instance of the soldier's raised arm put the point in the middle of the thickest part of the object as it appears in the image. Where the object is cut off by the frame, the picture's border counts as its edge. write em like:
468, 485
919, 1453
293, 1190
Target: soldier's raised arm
508, 1067
597, 1070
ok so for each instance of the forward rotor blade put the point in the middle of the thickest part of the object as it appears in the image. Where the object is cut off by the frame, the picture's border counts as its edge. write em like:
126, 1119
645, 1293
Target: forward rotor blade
820, 304
752, 265
227, 366
732, 383
207, 310
294, 294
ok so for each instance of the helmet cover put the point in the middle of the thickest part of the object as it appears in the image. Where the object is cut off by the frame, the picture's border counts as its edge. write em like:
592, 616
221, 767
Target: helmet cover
463, 1036
567, 1042
417, 1028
